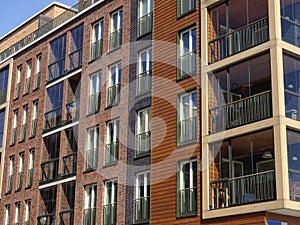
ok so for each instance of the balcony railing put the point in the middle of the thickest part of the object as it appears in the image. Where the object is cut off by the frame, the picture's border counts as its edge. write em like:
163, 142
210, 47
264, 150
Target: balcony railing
33, 127
92, 159
248, 110
27, 85
89, 217
48, 219
143, 143
94, 103
247, 189
66, 217
97, 49
109, 214
56, 69
14, 136
290, 31
53, 118
116, 39
72, 109
142, 210
9, 183
23, 134
3, 94
239, 40
49, 170
37, 80
187, 130
18, 88
113, 95
187, 204
144, 82
30, 177
69, 164
145, 24
187, 64
75, 59
20, 180
112, 152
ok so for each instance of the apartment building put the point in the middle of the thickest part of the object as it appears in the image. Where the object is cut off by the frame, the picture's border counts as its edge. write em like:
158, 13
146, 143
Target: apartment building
152, 112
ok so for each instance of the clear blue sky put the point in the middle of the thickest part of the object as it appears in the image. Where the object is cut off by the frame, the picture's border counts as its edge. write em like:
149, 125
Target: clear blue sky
15, 12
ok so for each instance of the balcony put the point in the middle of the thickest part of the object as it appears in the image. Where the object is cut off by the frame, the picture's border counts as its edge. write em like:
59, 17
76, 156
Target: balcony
75, 59
113, 95
56, 69
23, 133
144, 82
18, 88
30, 178
69, 164
142, 210
239, 40
143, 143
145, 24
94, 103
72, 109
3, 94
238, 113
112, 152
89, 217
187, 64
115, 39
92, 159
66, 217
49, 170
20, 180
109, 214
48, 219
187, 130
10, 183
53, 118
97, 49
27, 85
14, 136
33, 127
290, 31
243, 190
37, 80
187, 205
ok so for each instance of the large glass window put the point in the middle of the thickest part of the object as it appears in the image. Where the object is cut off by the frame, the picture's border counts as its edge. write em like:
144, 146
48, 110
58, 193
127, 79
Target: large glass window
28, 76
145, 16
143, 131
18, 82
75, 55
144, 71
112, 142
142, 197
92, 148
95, 93
2, 121
11, 173
116, 30
90, 205
57, 57
185, 6
113, 95
3, 84
110, 203
97, 39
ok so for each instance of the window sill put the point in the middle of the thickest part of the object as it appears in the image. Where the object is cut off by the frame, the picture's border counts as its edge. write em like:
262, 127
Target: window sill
186, 13
144, 155
95, 59
89, 170
8, 192
35, 89
92, 113
31, 137
28, 187
18, 190
141, 223
110, 164
195, 214
144, 35
21, 141
184, 144
27, 93
113, 50
180, 78
16, 98
143, 94
112, 105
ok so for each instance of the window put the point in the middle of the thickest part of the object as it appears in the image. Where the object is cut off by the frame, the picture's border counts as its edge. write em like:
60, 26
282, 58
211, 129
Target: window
20, 173
28, 76
34, 118
38, 71
185, 6
145, 17
17, 213
187, 53
142, 197
114, 85
30, 168
93, 147
11, 173
187, 188
90, 205
57, 58
145, 71
116, 30
75, 55
2, 121
3, 84
143, 132
97, 40
24, 123
110, 203
27, 212
18, 82
95, 93
15, 127
187, 125
7, 212
112, 142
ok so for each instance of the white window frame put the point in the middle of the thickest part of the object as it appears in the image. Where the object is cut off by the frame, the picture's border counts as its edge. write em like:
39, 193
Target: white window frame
181, 6
100, 32
29, 68
7, 212
35, 110
115, 137
19, 74
31, 160
190, 49
21, 162
90, 196
15, 123
11, 165
147, 114
25, 112
38, 63
17, 213
98, 77
148, 60
119, 21
27, 210
190, 105
113, 193
149, 8
95, 129
118, 74
146, 183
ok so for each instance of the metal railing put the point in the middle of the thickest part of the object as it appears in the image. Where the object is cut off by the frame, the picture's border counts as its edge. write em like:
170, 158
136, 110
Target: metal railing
142, 210
92, 158
94, 103
69, 163
30, 177
143, 143
33, 127
66, 217
75, 59
248, 110
116, 39
144, 82
14, 136
187, 204
97, 49
187, 130
113, 95
239, 40
50, 169
145, 24
47, 219
89, 216
109, 214
9, 183
53, 118
112, 152
23, 133
187, 64
56, 69
3, 95
20, 180
18, 88
27, 85
72, 109
37, 80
